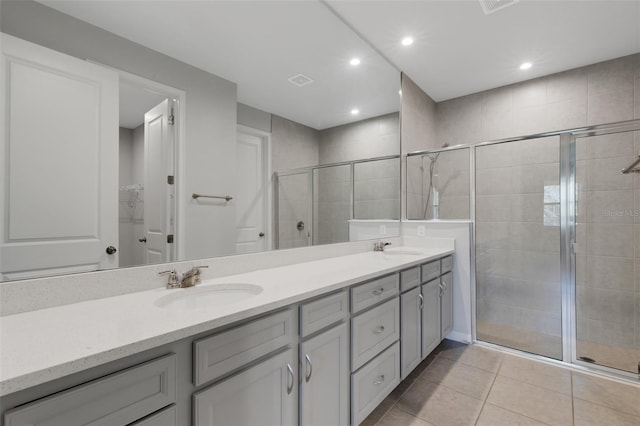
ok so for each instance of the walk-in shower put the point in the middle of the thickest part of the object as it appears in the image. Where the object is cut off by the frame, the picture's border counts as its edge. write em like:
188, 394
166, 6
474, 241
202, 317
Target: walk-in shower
557, 241
318, 204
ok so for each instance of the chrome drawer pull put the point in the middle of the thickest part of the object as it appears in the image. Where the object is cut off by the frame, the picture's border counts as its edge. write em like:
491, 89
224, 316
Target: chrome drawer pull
421, 301
380, 379
290, 386
309, 367
378, 292
378, 330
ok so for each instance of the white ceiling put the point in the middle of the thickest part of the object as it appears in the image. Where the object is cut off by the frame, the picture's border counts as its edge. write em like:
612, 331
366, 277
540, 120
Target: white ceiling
459, 50
259, 45
134, 103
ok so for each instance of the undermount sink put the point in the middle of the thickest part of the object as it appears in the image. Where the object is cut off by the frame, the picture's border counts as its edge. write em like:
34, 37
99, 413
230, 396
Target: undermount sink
401, 252
207, 296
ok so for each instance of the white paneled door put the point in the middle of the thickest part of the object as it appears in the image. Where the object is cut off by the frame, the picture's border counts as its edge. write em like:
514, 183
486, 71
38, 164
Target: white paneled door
59, 162
251, 194
158, 190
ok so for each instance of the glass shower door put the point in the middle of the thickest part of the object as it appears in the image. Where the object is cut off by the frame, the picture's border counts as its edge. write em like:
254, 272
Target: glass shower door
607, 251
518, 280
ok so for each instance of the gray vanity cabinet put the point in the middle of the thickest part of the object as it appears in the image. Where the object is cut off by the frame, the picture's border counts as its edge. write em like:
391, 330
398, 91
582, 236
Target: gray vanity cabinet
324, 378
410, 331
446, 304
265, 394
431, 325
118, 399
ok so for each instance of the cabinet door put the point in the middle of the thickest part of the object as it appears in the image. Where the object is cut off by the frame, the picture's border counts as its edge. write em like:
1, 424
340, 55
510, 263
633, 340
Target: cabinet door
447, 304
264, 394
324, 377
410, 331
430, 317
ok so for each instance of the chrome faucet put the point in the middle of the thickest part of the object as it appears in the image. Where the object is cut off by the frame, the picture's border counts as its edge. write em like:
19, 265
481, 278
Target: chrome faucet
380, 245
189, 278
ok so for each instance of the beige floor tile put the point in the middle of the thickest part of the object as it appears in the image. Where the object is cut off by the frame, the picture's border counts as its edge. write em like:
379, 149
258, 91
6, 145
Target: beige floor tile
532, 401
440, 405
537, 373
612, 394
475, 356
492, 415
397, 417
463, 378
589, 414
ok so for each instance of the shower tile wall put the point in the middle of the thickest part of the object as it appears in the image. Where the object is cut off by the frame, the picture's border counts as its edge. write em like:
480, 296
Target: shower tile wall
608, 251
451, 179
332, 204
596, 94
293, 207
375, 189
518, 245
131, 207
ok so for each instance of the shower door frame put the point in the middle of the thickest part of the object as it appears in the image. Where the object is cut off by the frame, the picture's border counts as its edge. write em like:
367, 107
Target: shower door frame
568, 241
567, 174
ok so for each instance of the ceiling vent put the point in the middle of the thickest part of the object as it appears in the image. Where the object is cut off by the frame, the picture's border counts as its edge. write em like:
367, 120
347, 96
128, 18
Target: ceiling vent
300, 80
490, 6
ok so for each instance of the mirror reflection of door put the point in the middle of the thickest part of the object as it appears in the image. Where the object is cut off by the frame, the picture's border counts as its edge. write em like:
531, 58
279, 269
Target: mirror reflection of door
146, 203
251, 187
59, 163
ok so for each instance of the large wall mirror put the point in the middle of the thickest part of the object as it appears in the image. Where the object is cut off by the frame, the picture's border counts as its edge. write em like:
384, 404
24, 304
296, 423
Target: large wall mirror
147, 132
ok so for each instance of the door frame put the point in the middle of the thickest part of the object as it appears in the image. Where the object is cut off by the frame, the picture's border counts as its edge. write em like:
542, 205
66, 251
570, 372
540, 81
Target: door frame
179, 101
267, 178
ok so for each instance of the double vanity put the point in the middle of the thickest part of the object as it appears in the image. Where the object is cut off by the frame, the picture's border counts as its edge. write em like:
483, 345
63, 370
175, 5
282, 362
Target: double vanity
320, 342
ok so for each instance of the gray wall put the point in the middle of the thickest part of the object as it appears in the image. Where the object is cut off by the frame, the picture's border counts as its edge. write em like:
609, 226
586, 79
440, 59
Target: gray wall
418, 132
210, 121
254, 118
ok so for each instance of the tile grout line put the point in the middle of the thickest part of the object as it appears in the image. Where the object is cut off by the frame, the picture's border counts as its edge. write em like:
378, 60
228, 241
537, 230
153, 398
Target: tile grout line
573, 406
484, 403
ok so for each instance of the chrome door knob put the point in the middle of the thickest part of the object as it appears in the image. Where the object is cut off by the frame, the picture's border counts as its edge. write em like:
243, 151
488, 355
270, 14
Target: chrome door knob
111, 250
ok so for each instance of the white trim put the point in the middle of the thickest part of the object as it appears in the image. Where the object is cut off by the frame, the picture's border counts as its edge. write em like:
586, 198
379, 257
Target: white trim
265, 137
180, 101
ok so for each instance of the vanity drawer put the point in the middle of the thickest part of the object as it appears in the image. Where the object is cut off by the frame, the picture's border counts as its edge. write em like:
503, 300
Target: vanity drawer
375, 291
323, 312
430, 271
409, 278
374, 382
117, 399
374, 330
229, 350
446, 264
166, 417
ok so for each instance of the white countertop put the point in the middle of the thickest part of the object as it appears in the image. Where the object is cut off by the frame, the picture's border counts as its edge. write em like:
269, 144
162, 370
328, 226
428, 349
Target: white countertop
40, 346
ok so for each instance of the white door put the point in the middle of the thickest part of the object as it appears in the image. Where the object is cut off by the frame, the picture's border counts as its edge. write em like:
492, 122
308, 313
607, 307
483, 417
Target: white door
251, 194
158, 191
59, 161
324, 378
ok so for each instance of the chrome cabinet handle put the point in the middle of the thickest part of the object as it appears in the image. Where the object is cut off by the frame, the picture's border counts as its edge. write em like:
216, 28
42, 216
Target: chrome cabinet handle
309, 367
421, 301
378, 292
380, 379
290, 386
378, 330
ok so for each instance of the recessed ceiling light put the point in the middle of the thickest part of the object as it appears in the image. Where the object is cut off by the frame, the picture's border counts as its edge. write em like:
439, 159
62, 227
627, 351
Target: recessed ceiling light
525, 66
355, 62
407, 41
355, 111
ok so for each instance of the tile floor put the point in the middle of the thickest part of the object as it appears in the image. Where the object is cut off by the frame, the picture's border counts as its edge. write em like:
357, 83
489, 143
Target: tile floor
471, 385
